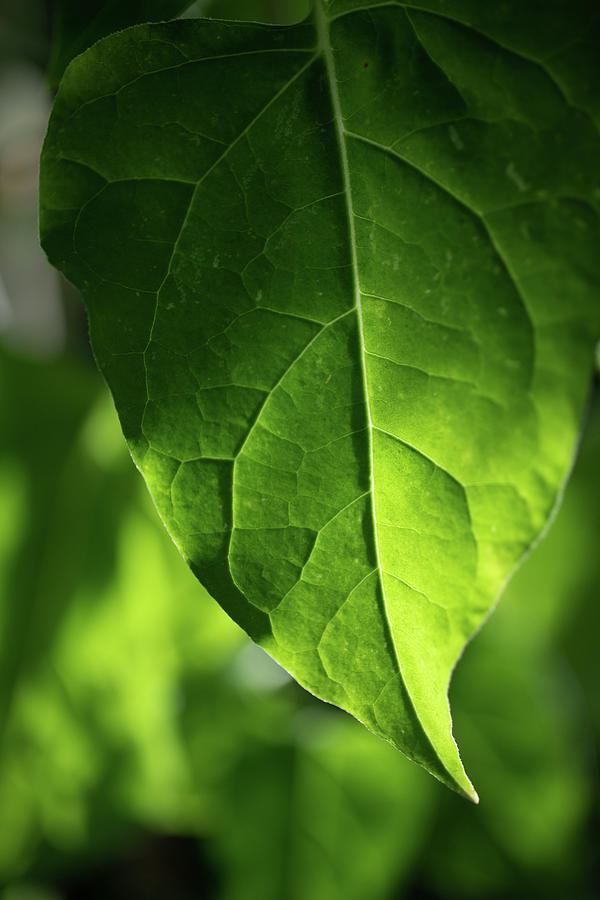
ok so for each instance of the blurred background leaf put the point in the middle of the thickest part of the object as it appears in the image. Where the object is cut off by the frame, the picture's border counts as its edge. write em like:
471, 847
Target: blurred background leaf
147, 749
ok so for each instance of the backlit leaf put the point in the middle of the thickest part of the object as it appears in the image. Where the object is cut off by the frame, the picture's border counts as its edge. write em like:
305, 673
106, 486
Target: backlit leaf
342, 281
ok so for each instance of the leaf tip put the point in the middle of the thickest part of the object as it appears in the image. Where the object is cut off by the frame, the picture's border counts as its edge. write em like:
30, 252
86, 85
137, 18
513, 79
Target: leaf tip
462, 785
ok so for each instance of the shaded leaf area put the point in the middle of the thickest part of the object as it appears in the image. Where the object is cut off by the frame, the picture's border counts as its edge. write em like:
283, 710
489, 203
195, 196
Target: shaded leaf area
342, 280
76, 26
144, 711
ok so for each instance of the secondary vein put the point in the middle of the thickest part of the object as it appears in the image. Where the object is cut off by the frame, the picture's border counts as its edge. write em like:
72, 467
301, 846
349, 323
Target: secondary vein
298, 74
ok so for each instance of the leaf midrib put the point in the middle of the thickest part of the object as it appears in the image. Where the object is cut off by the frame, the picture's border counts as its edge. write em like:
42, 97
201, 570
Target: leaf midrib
324, 47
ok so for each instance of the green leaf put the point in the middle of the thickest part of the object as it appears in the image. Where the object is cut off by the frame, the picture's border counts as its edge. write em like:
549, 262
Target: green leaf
342, 281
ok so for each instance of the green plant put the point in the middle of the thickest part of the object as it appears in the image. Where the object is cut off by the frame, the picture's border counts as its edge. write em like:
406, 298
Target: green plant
341, 280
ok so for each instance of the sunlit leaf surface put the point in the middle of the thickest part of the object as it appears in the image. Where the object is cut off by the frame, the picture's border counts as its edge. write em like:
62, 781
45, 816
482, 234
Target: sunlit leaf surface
341, 279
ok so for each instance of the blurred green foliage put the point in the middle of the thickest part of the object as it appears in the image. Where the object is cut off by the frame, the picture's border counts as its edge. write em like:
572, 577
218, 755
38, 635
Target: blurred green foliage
148, 750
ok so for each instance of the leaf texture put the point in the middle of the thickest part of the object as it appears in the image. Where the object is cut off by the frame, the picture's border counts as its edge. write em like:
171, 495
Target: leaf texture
342, 281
